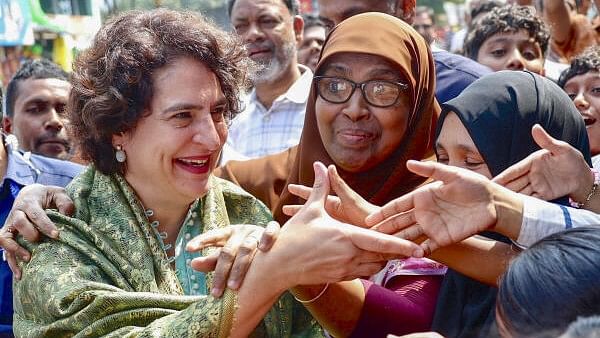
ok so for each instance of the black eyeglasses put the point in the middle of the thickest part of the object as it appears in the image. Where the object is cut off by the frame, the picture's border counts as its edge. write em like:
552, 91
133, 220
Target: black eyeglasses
378, 93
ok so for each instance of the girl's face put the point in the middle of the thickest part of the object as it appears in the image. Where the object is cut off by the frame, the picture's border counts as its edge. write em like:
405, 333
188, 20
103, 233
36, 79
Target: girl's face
584, 90
454, 146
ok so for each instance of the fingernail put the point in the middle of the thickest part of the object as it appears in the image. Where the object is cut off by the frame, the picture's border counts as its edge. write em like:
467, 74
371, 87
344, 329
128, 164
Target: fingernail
54, 234
232, 284
215, 292
25, 258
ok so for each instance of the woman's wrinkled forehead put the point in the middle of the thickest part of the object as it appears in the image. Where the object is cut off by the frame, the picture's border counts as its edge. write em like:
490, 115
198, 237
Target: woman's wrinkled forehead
347, 63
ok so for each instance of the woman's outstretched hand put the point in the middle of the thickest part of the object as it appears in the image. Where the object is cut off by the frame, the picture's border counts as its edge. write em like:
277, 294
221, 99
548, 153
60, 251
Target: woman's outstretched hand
237, 245
320, 249
554, 171
458, 205
347, 206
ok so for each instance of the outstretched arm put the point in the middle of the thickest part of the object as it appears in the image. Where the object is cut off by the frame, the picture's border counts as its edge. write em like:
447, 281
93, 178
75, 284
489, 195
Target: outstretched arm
557, 15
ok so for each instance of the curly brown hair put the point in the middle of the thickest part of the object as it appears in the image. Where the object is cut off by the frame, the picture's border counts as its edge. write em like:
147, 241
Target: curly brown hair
112, 80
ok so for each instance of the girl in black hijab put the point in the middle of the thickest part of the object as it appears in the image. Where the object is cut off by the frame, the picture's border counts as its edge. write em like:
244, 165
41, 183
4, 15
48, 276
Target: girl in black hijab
498, 112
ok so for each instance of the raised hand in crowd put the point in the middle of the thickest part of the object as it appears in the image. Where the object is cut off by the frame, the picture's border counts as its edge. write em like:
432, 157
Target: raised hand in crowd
459, 204
347, 206
28, 218
237, 246
556, 170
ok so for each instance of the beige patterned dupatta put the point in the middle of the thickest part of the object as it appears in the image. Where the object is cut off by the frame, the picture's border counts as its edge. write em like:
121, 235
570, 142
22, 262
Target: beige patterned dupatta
108, 275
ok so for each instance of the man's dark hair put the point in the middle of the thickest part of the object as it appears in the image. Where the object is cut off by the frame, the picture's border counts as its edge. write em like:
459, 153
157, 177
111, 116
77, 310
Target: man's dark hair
311, 20
112, 79
584, 327
551, 284
292, 5
506, 19
32, 69
587, 61
484, 7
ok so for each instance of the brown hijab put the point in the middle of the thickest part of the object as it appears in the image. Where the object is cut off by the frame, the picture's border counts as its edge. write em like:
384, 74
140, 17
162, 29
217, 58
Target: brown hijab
389, 37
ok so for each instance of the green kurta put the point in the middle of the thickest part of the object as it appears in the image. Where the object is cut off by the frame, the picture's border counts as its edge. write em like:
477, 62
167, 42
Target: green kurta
108, 274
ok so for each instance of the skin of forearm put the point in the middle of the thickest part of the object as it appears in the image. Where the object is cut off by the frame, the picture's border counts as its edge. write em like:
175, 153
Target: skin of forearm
556, 14
256, 296
509, 212
338, 309
484, 260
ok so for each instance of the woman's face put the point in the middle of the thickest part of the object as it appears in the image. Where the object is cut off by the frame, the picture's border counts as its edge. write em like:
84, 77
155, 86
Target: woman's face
584, 90
357, 135
175, 147
454, 146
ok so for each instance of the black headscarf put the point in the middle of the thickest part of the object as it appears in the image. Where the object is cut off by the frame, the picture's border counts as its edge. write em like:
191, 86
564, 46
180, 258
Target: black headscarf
499, 111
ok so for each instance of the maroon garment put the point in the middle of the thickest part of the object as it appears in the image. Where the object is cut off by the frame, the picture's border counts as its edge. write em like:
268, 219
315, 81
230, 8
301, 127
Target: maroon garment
406, 307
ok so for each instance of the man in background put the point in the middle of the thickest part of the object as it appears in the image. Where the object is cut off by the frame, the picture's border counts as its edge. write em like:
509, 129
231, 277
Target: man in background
36, 98
274, 114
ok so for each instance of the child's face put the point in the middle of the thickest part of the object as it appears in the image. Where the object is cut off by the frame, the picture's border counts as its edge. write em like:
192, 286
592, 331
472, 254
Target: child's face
512, 51
584, 90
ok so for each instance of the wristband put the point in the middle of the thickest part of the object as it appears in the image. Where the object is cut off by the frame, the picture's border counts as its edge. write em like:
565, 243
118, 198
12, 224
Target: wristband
580, 205
315, 298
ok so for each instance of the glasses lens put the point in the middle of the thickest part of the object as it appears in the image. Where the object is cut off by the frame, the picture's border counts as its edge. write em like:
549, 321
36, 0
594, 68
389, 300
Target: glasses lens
334, 89
381, 93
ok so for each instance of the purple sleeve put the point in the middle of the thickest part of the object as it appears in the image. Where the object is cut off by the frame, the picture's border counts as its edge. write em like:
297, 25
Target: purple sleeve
406, 307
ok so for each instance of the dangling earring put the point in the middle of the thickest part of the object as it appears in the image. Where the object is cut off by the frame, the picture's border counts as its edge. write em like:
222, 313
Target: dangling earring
120, 154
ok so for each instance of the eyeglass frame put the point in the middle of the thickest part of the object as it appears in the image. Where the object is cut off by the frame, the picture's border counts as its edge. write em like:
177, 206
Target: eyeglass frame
402, 86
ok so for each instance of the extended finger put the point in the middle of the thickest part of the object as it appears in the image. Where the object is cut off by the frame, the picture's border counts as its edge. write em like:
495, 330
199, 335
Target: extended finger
226, 259
411, 233
545, 141
341, 188
518, 183
215, 237
515, 171
12, 264
291, 210
528, 190
206, 263
242, 262
396, 206
300, 190
269, 236
396, 222
370, 240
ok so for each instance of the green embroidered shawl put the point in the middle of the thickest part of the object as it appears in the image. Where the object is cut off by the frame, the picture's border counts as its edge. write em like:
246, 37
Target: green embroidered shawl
107, 274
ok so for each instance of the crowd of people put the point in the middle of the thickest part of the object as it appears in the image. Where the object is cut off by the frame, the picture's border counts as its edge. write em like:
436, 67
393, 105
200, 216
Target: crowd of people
330, 175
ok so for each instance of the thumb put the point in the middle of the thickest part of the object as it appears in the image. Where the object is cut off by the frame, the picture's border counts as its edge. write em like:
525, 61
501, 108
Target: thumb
320, 188
545, 141
338, 185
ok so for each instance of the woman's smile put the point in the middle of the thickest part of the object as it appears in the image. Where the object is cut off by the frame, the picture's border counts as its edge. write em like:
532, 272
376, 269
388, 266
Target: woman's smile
194, 164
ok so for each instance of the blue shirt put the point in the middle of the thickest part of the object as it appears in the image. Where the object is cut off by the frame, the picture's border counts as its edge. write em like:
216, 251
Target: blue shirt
453, 73
24, 169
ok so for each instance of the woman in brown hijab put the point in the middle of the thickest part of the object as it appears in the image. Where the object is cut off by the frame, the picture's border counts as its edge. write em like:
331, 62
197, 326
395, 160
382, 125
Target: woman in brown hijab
371, 108
383, 175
